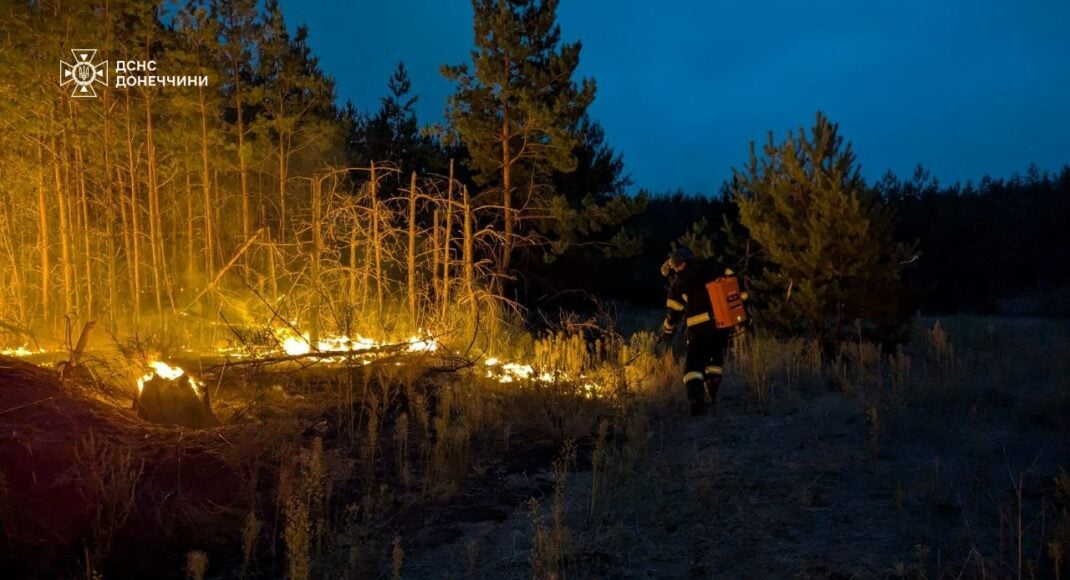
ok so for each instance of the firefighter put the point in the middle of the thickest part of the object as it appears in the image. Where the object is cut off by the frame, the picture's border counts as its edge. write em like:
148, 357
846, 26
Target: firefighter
706, 344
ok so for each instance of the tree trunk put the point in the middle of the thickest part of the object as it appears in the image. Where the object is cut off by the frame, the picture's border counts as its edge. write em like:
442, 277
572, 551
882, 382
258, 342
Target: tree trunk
112, 206
82, 213
378, 242
273, 280
469, 259
127, 246
42, 220
436, 283
412, 252
191, 252
317, 247
243, 172
154, 207
135, 220
282, 188
446, 246
64, 234
209, 232
16, 277
353, 260
507, 192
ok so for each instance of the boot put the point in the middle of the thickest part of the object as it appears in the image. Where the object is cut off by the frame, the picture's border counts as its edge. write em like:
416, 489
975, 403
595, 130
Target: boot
698, 407
713, 386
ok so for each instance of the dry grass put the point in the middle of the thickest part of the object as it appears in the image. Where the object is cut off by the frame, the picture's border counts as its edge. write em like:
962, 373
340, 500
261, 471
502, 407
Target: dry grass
110, 475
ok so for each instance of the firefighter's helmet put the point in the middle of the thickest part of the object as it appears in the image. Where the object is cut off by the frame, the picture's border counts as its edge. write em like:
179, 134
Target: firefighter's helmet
679, 257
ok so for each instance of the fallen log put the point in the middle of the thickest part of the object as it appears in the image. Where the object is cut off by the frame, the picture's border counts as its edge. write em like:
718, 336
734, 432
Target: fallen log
385, 354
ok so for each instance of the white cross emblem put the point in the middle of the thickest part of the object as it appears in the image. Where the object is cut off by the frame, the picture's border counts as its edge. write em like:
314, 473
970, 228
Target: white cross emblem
83, 73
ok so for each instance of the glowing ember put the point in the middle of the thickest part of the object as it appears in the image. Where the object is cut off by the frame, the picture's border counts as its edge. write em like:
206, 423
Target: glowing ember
167, 372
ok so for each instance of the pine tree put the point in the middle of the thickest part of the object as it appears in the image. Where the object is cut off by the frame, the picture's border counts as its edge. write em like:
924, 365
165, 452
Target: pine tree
517, 108
393, 134
825, 237
587, 201
292, 93
238, 32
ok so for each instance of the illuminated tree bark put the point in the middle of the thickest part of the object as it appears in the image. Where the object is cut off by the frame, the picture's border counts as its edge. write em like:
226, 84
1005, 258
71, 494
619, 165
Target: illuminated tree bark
412, 252
446, 230
42, 233
469, 258
135, 221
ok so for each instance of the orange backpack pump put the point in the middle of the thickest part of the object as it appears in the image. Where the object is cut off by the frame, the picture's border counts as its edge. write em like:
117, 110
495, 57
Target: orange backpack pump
727, 302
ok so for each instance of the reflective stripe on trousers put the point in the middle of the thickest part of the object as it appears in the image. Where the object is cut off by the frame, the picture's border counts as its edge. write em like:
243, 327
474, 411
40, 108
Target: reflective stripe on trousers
693, 376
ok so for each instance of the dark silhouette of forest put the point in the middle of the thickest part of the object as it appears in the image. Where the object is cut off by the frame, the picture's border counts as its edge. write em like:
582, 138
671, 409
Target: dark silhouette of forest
995, 247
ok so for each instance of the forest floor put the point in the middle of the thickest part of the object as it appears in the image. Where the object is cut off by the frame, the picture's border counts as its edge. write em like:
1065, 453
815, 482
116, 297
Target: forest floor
959, 472
966, 482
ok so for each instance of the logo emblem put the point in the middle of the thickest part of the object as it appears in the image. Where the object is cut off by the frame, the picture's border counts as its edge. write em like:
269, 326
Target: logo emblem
83, 73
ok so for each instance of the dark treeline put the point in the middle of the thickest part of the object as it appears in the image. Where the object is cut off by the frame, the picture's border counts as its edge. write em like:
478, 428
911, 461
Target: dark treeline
995, 247
1000, 246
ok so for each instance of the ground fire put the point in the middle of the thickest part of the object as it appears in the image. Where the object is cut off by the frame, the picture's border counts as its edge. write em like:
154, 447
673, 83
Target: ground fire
170, 396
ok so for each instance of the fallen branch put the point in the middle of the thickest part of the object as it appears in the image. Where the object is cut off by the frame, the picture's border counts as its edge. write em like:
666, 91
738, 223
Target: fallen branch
385, 354
23, 406
230, 264
17, 331
318, 355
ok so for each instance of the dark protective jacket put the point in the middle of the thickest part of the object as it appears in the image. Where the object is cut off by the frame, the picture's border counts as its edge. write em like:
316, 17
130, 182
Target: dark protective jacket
689, 299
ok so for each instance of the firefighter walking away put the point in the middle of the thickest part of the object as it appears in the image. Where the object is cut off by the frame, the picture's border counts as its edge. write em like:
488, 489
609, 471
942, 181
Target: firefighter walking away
706, 295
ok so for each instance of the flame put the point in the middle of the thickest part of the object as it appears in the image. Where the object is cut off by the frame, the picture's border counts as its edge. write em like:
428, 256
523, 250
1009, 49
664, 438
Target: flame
296, 346
496, 369
512, 372
417, 344
20, 351
165, 371
300, 344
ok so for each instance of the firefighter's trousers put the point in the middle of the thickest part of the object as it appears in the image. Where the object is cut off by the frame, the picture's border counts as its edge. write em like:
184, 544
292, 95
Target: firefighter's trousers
704, 365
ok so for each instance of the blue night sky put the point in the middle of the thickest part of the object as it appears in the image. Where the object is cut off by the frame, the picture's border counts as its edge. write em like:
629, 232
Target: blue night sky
965, 87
